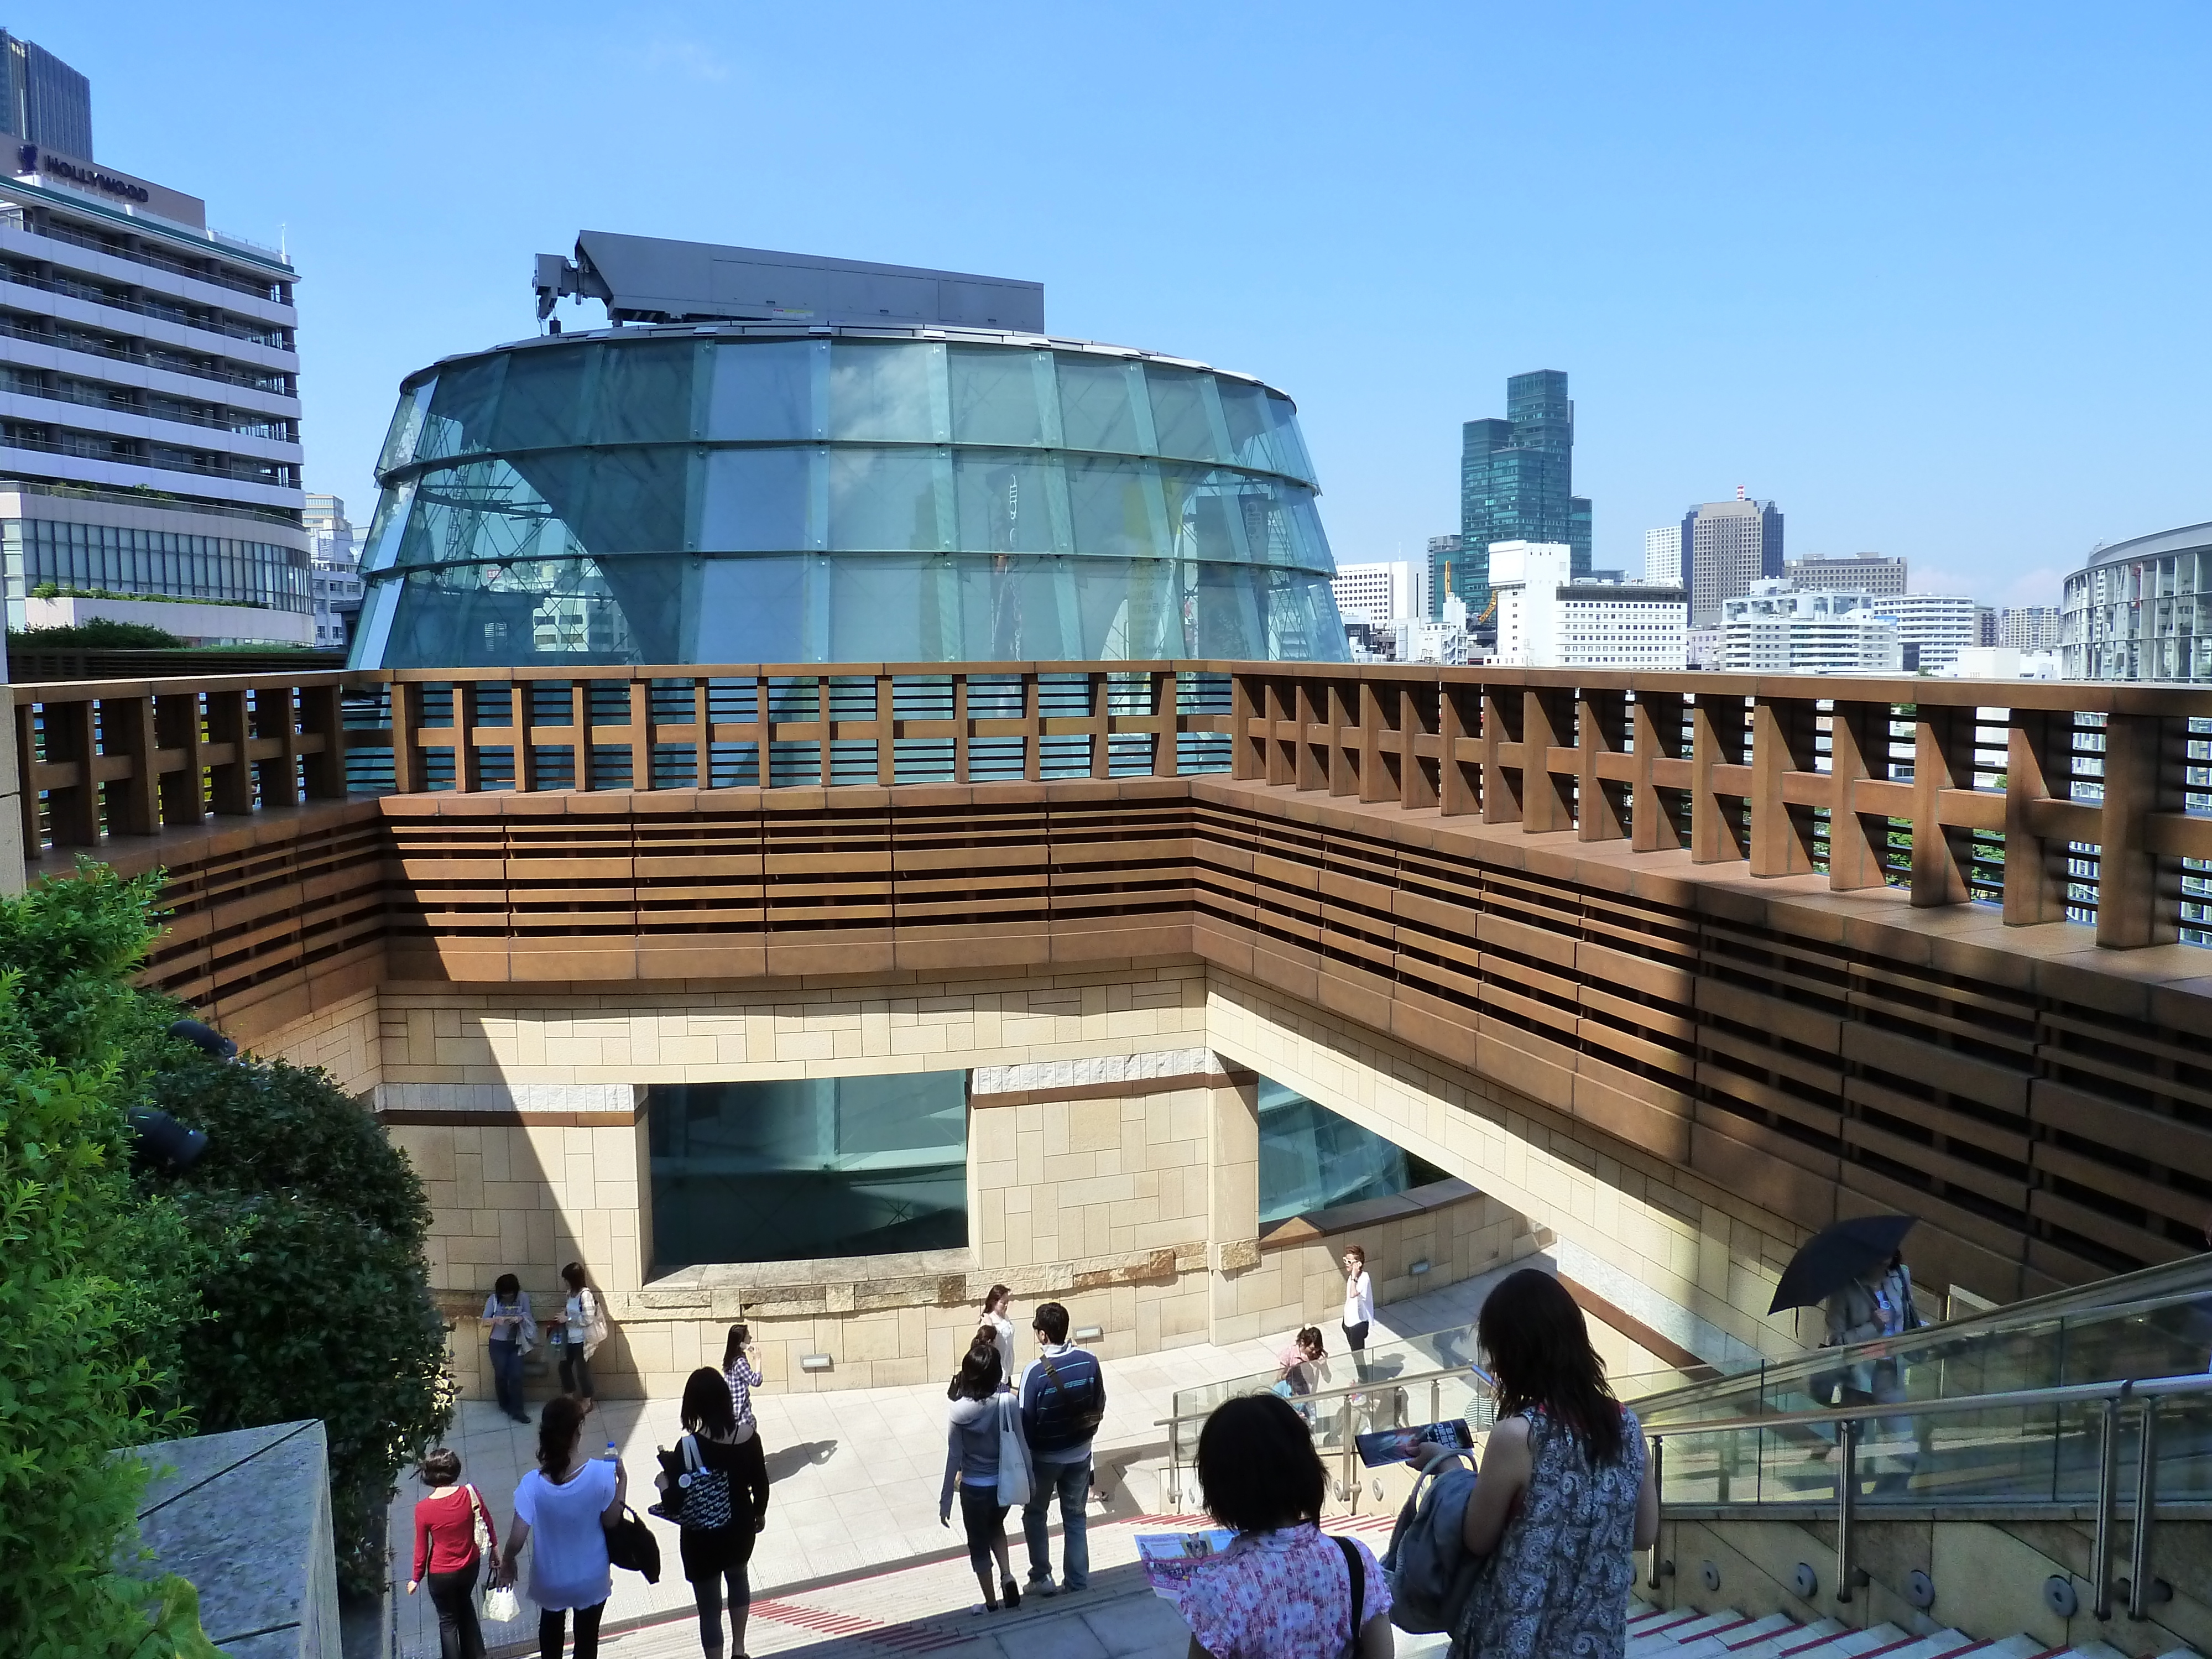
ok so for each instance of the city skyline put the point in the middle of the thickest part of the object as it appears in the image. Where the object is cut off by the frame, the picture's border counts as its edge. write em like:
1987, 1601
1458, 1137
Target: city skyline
1902, 252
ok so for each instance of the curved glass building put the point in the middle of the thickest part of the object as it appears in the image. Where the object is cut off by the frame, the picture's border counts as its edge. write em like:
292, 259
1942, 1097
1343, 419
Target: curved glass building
794, 492
2142, 610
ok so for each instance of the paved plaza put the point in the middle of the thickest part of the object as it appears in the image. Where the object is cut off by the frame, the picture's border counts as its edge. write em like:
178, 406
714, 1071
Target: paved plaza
852, 1531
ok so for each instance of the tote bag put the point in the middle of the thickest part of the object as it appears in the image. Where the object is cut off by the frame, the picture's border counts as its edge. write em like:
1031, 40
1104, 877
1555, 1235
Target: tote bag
1013, 1454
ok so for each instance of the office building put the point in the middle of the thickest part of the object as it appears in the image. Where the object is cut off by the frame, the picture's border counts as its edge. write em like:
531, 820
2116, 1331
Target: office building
43, 100
1421, 640
1776, 629
1858, 573
1985, 625
1932, 629
1382, 593
1727, 546
2029, 628
1517, 483
2141, 610
335, 571
149, 444
1662, 555
886, 465
1547, 619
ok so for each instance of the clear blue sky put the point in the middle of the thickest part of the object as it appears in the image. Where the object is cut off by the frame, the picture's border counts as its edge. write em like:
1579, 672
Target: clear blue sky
1933, 276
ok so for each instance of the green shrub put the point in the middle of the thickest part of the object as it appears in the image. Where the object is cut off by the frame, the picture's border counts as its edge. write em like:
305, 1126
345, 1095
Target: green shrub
77, 1301
99, 634
323, 1307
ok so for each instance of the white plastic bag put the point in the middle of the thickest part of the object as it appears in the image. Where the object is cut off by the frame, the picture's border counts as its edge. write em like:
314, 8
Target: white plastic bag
500, 1605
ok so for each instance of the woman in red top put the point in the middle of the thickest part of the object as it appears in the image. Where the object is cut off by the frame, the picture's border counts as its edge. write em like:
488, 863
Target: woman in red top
446, 1545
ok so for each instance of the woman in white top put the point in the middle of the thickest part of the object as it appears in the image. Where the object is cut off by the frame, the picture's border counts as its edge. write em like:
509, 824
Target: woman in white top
1000, 1328
581, 1326
562, 1508
1358, 1306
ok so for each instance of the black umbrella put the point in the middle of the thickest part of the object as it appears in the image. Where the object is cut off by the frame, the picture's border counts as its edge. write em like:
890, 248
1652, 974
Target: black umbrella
1835, 1256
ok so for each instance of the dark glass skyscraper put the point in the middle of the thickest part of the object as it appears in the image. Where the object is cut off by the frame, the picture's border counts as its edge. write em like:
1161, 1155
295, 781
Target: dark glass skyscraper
43, 100
1517, 483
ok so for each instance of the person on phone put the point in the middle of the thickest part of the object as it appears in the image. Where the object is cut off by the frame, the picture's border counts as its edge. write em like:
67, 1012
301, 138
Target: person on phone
718, 1556
445, 1553
1358, 1306
1564, 1497
566, 1505
581, 1326
971, 1463
513, 1333
1063, 1400
742, 1372
1283, 1588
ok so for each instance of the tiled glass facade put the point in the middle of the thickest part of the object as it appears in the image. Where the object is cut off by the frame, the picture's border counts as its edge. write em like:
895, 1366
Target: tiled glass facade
1312, 1159
787, 1171
1516, 484
738, 495
2143, 611
154, 562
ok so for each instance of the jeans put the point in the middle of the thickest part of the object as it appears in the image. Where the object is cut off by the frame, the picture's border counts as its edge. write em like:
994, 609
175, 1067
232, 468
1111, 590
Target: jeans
575, 1370
709, 1593
984, 1519
1073, 1482
454, 1595
549, 1623
506, 1376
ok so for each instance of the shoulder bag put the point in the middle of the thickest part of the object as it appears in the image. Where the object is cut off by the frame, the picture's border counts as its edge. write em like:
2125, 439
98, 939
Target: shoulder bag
632, 1546
1013, 1454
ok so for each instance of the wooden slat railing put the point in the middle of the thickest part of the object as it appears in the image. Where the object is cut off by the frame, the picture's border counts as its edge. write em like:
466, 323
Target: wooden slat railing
2054, 800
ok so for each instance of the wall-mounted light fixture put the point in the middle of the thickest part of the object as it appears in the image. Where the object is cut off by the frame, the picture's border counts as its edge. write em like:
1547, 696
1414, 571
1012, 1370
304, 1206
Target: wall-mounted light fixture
1089, 1333
814, 1361
1419, 1267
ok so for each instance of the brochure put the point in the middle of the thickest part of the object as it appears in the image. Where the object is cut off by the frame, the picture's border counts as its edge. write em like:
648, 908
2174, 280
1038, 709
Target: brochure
1396, 1445
1171, 1558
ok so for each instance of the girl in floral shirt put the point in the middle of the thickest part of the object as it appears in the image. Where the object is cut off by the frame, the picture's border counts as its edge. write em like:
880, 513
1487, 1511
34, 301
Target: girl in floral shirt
1283, 1588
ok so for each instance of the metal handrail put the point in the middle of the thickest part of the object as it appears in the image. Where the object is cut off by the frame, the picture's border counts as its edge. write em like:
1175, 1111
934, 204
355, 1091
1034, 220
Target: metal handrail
2061, 1395
2112, 1398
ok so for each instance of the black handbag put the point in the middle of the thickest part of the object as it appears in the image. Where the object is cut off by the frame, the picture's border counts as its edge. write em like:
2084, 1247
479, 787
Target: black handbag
632, 1546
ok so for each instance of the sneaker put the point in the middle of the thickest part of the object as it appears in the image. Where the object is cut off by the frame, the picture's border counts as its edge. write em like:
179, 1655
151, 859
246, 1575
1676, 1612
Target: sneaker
1042, 1584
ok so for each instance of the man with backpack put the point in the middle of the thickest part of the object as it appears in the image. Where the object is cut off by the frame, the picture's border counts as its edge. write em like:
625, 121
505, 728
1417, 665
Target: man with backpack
1063, 1397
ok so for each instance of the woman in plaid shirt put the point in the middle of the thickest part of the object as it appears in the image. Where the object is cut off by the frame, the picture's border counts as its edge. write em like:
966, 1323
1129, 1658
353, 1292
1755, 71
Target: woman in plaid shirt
743, 1377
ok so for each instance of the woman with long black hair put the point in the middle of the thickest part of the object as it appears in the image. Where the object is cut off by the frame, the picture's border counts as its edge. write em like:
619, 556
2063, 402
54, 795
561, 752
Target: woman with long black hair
974, 1426
1564, 1497
725, 1505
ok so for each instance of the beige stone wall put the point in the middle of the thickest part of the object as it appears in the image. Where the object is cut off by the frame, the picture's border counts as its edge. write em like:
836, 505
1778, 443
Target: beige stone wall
1692, 1243
345, 1040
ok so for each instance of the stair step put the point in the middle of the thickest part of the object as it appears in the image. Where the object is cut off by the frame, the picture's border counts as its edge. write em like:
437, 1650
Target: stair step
1879, 1640
1731, 1642
1792, 1635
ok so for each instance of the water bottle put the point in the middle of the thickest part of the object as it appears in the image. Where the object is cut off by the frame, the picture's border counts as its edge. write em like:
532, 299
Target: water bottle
613, 1456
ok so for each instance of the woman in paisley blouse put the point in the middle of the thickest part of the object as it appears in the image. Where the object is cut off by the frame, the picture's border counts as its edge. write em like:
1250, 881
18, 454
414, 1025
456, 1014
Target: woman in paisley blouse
1564, 1497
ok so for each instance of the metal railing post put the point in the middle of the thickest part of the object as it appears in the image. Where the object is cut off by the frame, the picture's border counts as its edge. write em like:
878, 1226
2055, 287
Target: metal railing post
1436, 1398
1659, 1487
2141, 1585
2108, 1481
1847, 1487
1344, 1417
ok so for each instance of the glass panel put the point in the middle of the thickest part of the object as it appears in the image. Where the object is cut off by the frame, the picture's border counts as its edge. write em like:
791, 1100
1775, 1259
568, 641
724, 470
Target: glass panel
755, 502
1180, 421
763, 389
884, 608
645, 391
632, 499
399, 439
1289, 447
484, 615
1312, 1159
750, 611
995, 398
1003, 502
1112, 517
542, 402
460, 409
880, 391
807, 1167
883, 500
1094, 404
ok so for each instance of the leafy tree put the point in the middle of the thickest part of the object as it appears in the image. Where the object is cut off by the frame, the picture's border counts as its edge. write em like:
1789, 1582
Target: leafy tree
323, 1310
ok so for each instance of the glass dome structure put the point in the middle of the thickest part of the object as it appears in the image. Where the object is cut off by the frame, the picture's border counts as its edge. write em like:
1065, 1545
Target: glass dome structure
743, 492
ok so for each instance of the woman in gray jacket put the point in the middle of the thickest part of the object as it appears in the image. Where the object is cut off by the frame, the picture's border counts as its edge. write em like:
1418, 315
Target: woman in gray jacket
971, 1458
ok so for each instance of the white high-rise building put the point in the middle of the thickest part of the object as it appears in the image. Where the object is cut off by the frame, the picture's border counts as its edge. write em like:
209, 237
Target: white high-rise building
1776, 629
1546, 619
1662, 555
2029, 628
336, 572
1932, 629
1382, 593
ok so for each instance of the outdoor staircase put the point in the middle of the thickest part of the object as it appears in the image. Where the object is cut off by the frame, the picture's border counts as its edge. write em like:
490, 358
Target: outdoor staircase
1685, 1633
